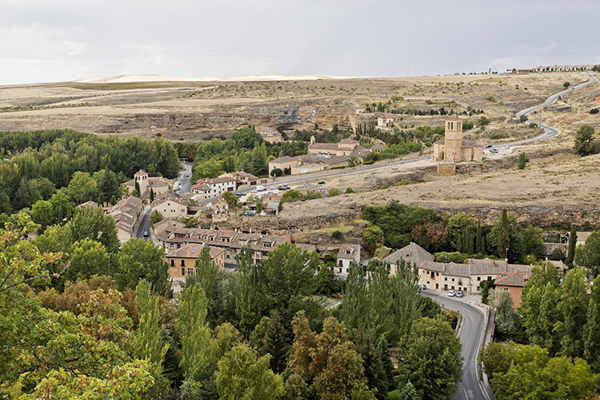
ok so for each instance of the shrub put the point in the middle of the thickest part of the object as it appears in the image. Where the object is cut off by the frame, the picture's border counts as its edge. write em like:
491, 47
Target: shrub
336, 234
523, 160
594, 111
523, 118
349, 190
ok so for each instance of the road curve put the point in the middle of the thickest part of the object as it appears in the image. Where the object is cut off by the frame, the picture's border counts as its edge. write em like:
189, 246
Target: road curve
470, 335
549, 131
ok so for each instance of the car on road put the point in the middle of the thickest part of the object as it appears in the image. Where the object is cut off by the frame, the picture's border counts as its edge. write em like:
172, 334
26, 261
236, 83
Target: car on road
459, 294
451, 293
321, 183
281, 188
508, 147
187, 175
306, 183
274, 187
488, 146
253, 190
422, 286
493, 150
145, 233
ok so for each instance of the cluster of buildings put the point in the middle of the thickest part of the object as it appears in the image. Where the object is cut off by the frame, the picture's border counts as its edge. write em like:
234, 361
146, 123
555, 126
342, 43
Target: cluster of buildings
466, 277
229, 182
322, 156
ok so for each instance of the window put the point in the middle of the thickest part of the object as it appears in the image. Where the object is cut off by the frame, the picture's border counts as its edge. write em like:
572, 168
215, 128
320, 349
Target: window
182, 263
505, 288
190, 270
489, 278
445, 279
340, 270
183, 271
478, 278
172, 263
452, 279
437, 274
452, 287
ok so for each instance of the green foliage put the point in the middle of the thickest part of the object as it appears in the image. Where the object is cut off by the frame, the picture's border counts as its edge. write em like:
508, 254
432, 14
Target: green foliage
431, 359
588, 255
591, 339
323, 280
397, 221
572, 247
88, 258
584, 139
524, 372
196, 345
483, 121
566, 84
505, 235
372, 362
328, 359
594, 111
381, 303
523, 118
231, 199
141, 260
247, 138
333, 192
92, 224
523, 160
241, 374
271, 337
349, 190
155, 217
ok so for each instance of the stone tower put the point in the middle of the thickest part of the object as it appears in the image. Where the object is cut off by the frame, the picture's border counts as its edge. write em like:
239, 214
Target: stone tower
453, 139
141, 178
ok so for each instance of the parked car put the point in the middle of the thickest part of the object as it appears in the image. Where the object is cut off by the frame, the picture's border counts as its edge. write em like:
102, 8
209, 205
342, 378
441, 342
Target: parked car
459, 294
306, 183
253, 190
493, 150
321, 182
146, 234
422, 286
451, 293
274, 187
281, 188
488, 146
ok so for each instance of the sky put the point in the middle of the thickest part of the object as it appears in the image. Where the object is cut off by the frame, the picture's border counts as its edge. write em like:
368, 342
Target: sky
63, 40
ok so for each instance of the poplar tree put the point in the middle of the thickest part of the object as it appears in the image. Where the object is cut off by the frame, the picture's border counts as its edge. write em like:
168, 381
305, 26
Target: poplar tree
572, 246
591, 339
504, 235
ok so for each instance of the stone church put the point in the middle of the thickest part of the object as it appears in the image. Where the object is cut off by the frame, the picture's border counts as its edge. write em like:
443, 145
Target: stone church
454, 148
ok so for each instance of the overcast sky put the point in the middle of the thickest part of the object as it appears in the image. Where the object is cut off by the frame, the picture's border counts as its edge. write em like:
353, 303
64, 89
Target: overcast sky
58, 40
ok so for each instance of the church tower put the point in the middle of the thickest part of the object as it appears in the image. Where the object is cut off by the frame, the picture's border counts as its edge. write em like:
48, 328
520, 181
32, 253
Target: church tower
141, 178
453, 140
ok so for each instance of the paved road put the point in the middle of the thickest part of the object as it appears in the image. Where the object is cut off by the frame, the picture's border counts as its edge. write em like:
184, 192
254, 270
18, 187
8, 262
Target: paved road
185, 178
549, 131
144, 225
470, 335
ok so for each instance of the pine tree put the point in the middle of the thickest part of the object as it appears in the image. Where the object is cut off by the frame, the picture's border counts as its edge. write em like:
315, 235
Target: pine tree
504, 236
479, 244
409, 392
386, 359
151, 195
137, 188
572, 246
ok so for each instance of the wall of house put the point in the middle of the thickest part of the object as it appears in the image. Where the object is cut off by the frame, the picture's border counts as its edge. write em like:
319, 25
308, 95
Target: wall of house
515, 293
170, 208
177, 263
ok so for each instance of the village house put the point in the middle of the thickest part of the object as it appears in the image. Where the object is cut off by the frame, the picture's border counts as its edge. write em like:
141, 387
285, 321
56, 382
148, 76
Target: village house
208, 188
127, 214
385, 120
241, 178
348, 254
174, 238
454, 148
310, 163
342, 148
271, 136
182, 262
158, 185
161, 225
169, 204
514, 284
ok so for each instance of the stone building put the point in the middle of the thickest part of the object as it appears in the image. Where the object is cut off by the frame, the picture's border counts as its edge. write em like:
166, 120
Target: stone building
453, 148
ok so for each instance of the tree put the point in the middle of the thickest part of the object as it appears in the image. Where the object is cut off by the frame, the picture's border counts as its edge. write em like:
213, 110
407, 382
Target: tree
333, 192
532, 241
271, 337
349, 190
523, 160
276, 172
155, 217
323, 280
584, 139
231, 199
372, 363
572, 247
139, 260
431, 359
247, 138
408, 392
588, 255
506, 316
82, 187
196, 344
566, 85
479, 240
572, 310
523, 118
260, 167
503, 234
328, 360
92, 224
107, 184
88, 258
241, 374
373, 237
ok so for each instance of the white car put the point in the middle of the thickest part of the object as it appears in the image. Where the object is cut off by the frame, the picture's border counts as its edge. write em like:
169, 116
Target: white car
274, 187
451, 293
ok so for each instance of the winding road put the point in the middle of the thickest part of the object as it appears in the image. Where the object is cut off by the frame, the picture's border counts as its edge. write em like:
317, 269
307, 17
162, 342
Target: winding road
470, 335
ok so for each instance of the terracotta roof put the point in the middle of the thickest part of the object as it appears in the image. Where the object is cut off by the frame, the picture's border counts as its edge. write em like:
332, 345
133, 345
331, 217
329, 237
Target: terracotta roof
516, 279
359, 151
193, 251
